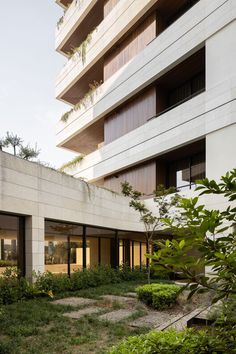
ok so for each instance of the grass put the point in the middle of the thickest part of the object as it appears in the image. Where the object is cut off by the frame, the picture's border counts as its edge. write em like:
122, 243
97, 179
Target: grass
38, 327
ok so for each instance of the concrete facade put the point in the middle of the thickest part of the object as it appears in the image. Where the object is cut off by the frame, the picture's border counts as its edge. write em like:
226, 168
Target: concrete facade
40, 193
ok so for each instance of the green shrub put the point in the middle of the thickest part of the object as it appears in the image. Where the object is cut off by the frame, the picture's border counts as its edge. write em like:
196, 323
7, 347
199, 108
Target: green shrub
158, 296
86, 278
51, 282
14, 288
175, 342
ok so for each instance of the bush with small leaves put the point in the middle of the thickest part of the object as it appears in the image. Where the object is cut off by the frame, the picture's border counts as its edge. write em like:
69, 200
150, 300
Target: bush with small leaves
158, 296
217, 341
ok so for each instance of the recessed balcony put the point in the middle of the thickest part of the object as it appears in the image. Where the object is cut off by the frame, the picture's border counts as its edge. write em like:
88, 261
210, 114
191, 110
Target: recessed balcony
78, 21
64, 3
89, 56
104, 42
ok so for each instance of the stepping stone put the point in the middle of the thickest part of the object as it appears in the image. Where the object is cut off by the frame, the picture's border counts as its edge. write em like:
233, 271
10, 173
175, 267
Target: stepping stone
80, 313
74, 301
134, 295
153, 319
116, 316
120, 299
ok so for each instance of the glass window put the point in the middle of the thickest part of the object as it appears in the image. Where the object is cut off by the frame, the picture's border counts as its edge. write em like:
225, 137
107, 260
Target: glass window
136, 246
105, 251
76, 253
121, 252
143, 252
92, 252
184, 173
11, 247
63, 246
94, 236
198, 167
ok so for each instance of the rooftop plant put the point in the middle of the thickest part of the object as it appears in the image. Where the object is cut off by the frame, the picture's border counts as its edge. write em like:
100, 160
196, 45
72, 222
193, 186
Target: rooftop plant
72, 163
24, 151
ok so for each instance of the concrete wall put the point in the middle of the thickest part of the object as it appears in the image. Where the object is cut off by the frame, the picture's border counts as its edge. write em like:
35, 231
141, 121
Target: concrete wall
38, 192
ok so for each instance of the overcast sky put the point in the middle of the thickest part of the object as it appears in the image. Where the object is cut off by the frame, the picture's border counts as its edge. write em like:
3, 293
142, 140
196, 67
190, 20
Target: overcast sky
28, 68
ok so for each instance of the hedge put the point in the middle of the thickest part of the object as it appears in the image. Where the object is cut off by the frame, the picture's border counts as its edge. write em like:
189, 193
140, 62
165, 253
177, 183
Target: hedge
159, 296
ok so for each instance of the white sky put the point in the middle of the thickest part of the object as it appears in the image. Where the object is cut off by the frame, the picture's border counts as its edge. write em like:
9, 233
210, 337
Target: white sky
28, 68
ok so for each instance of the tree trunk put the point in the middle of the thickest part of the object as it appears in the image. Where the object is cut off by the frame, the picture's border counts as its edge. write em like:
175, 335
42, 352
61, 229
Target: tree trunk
148, 262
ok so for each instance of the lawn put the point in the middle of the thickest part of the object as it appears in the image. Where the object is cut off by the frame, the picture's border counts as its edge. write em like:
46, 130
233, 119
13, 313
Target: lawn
38, 327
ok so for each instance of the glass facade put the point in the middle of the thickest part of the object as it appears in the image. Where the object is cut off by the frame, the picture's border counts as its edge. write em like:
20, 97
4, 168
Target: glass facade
12, 236
63, 247
69, 247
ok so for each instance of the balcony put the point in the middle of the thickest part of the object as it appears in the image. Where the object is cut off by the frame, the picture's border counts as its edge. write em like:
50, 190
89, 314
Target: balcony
101, 40
74, 26
186, 123
64, 3
175, 44
91, 56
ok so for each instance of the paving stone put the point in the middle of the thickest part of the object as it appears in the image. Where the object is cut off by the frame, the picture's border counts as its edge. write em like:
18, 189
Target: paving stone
120, 299
74, 301
134, 295
80, 313
116, 316
152, 319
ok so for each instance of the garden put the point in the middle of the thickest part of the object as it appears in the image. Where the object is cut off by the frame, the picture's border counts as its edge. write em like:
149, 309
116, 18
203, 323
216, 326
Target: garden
123, 310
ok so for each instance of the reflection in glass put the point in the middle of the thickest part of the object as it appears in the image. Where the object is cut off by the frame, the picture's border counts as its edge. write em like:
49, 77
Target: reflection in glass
76, 253
136, 254
63, 243
105, 251
9, 233
92, 252
121, 252
56, 254
143, 252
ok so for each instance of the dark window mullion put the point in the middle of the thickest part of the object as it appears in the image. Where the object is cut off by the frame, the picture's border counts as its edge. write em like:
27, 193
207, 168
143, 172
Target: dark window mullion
84, 247
68, 255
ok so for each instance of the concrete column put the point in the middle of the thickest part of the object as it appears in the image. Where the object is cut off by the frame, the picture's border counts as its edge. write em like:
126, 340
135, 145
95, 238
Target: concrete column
34, 245
220, 152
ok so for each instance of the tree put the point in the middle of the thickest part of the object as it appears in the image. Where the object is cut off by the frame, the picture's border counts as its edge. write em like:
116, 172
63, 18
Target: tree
212, 233
151, 221
3, 143
27, 152
14, 140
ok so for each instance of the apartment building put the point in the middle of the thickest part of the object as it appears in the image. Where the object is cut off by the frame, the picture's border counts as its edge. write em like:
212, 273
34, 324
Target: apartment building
151, 84
151, 88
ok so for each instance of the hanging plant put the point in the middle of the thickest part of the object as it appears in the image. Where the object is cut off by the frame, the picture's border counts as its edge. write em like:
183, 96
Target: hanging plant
72, 163
82, 49
85, 102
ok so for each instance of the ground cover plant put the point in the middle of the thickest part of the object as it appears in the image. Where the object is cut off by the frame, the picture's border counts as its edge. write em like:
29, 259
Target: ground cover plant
36, 326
